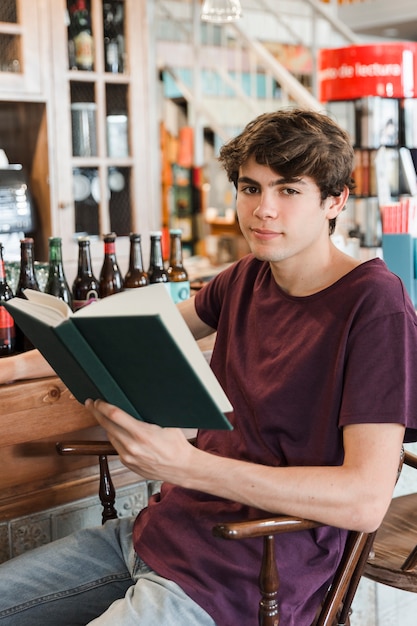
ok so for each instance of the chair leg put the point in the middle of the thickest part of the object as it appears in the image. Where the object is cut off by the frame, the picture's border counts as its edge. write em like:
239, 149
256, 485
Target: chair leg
101, 449
268, 584
106, 491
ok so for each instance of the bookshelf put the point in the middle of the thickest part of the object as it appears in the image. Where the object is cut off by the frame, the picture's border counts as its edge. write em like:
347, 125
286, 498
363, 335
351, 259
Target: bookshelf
371, 90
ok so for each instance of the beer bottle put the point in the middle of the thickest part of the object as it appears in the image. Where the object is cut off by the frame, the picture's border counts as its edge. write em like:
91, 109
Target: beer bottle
177, 274
85, 288
81, 36
27, 280
7, 325
110, 276
27, 276
135, 276
157, 272
56, 283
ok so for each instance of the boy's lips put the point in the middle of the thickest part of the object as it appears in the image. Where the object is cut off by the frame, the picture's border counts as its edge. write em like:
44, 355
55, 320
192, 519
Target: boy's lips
265, 233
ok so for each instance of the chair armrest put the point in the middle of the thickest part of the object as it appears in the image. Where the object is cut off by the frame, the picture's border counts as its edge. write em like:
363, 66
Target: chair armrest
88, 448
262, 527
410, 459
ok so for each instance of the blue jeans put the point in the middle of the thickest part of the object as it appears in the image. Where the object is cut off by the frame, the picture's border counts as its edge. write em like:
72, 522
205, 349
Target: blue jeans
92, 577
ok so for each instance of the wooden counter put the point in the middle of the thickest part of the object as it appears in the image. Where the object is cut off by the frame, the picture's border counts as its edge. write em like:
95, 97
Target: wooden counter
34, 415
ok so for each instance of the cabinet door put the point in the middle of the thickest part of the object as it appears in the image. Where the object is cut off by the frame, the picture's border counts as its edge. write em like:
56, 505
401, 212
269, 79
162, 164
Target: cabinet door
106, 154
21, 58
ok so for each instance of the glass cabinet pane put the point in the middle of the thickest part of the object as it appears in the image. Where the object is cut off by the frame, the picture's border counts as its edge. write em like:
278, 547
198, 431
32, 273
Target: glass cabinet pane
10, 44
83, 120
117, 122
119, 200
86, 189
8, 11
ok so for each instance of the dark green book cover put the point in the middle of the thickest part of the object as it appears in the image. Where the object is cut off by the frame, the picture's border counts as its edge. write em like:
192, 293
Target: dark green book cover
133, 350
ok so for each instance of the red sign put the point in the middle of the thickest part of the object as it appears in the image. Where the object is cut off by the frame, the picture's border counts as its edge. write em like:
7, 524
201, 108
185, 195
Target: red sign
388, 70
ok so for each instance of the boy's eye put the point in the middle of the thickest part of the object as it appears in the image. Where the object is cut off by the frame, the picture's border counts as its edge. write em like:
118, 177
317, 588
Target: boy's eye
249, 190
289, 191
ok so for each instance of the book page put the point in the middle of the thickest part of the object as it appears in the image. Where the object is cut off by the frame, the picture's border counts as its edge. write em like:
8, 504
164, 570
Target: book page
43, 307
53, 306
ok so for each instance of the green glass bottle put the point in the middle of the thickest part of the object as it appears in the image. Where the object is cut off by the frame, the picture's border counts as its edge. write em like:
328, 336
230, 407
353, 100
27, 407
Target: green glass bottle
56, 283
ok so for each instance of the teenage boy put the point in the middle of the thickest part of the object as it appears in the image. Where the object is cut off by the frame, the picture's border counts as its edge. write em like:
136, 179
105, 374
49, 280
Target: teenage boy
317, 353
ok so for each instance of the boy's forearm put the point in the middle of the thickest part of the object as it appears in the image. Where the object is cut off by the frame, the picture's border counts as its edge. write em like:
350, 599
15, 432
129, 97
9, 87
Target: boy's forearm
23, 366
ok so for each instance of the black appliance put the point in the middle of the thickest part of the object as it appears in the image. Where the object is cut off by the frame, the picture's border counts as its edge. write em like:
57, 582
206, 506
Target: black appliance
17, 211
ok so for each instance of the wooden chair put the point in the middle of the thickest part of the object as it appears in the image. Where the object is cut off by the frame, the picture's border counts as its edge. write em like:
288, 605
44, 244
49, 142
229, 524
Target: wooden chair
336, 607
335, 610
393, 559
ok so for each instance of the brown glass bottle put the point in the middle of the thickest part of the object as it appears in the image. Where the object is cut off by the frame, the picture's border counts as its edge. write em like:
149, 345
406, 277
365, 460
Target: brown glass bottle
27, 280
56, 283
110, 276
135, 276
177, 274
7, 325
85, 288
157, 272
27, 276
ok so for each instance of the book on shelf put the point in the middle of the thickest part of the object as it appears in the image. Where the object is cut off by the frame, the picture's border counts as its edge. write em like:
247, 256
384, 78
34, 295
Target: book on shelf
410, 122
408, 175
343, 111
379, 121
132, 349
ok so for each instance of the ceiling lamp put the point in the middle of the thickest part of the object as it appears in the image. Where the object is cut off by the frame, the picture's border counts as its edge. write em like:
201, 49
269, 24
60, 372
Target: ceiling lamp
221, 11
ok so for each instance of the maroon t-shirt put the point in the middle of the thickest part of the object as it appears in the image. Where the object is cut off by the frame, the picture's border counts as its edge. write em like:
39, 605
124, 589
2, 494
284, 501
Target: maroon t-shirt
296, 370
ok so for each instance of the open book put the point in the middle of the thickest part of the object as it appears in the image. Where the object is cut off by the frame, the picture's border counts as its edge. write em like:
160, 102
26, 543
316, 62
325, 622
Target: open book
132, 349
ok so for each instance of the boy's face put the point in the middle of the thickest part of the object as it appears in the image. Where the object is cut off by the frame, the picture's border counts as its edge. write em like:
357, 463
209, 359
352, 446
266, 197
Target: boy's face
279, 218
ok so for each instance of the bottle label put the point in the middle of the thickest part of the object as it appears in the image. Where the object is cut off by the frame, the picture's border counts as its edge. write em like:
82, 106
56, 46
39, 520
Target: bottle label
179, 291
110, 247
92, 296
84, 53
6, 320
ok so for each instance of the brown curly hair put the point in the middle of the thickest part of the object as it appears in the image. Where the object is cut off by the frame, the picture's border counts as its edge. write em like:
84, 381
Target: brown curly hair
293, 143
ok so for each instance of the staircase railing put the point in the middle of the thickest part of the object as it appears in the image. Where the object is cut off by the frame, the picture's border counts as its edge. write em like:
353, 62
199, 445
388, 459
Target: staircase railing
253, 55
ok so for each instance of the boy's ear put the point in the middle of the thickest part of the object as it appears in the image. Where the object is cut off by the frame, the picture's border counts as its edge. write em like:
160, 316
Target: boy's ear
337, 203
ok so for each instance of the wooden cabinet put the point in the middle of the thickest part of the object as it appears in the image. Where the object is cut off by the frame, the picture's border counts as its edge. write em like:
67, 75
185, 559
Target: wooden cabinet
43, 107
21, 69
105, 180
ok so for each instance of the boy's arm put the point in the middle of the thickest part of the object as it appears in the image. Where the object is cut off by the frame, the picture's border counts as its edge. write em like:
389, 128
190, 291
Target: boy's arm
354, 495
24, 366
